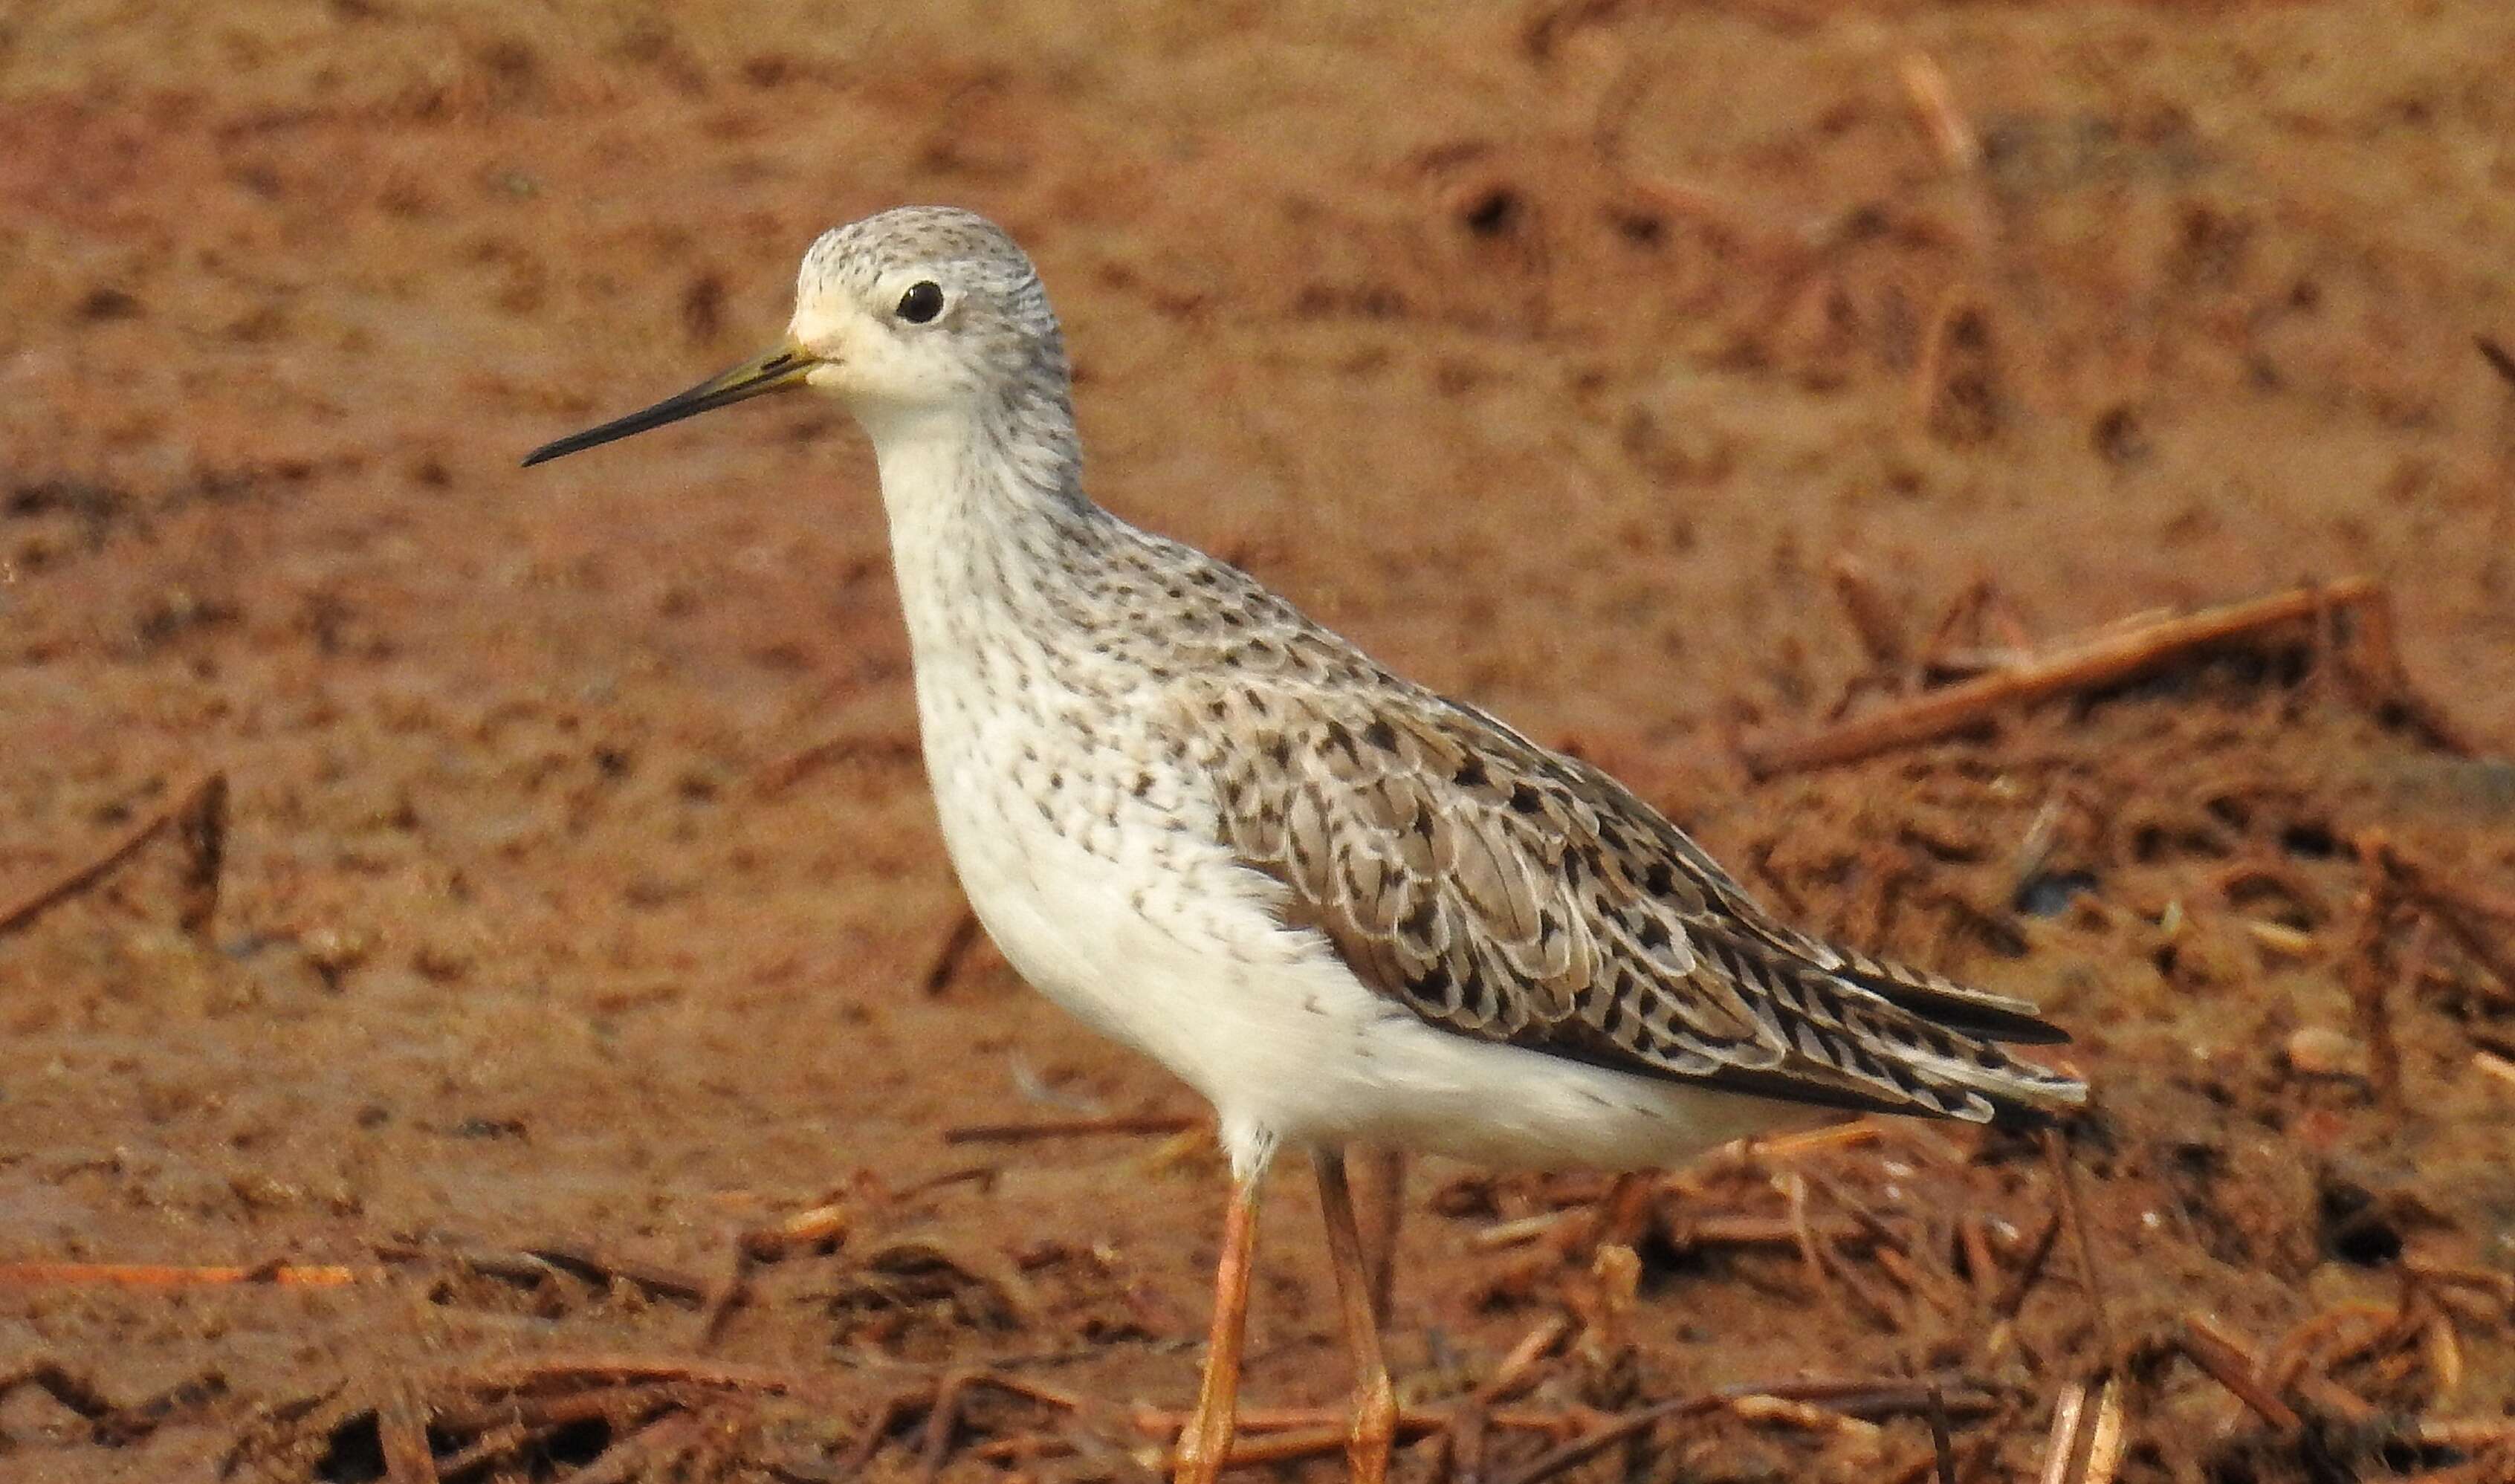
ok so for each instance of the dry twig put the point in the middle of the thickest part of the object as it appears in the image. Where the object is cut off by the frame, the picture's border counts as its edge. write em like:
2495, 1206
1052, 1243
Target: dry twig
198, 819
1597, 1440
402, 1434
622, 1370
113, 1424
2500, 358
2462, 913
489, 1418
2065, 1177
825, 1224
2231, 1363
1812, 1252
1163, 1423
645, 1449
1869, 611
1943, 1446
783, 775
1852, 1399
2495, 1065
2369, 972
603, 1268
1071, 1127
170, 1275
953, 950
2031, 1270
1982, 1269
2112, 658
1934, 101
2086, 1446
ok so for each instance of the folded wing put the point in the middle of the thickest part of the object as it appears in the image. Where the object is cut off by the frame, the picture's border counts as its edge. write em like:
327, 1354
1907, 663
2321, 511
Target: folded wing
1501, 890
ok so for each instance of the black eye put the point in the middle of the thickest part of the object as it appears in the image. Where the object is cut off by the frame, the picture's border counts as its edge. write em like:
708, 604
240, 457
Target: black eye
922, 303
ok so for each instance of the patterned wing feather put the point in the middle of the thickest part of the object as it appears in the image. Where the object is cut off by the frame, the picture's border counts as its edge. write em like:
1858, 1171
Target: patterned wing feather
1503, 891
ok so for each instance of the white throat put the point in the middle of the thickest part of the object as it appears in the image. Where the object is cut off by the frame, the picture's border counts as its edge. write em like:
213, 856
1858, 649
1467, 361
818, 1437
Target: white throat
982, 518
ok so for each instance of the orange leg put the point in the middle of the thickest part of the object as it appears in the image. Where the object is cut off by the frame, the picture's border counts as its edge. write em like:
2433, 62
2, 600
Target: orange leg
1389, 1182
1375, 1400
1205, 1443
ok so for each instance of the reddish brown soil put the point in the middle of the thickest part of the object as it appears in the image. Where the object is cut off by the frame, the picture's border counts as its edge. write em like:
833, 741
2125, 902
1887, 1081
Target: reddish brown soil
583, 886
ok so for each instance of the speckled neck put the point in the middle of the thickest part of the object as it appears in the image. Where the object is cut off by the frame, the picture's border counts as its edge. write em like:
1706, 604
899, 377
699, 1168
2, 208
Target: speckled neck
989, 523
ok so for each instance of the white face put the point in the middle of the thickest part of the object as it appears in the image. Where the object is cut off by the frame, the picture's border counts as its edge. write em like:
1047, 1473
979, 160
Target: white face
896, 344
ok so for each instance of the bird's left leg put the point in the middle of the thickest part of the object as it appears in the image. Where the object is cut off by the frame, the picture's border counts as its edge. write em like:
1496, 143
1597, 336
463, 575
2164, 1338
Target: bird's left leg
1375, 1400
1390, 1185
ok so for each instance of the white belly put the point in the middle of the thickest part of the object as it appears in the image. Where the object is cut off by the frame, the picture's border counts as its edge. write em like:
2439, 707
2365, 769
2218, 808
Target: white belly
1158, 937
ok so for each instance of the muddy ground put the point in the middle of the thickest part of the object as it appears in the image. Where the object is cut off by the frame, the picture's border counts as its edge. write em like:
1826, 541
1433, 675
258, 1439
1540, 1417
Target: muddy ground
581, 897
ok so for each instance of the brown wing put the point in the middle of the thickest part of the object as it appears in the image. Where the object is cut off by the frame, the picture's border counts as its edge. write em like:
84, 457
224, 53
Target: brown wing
1503, 891
1957, 1006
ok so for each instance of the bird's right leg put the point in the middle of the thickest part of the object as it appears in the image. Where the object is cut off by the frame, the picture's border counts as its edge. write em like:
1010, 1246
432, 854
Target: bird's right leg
1375, 1400
1205, 1443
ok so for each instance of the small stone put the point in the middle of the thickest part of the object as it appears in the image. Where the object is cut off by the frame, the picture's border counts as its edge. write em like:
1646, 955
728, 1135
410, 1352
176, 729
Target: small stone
335, 951
2319, 1051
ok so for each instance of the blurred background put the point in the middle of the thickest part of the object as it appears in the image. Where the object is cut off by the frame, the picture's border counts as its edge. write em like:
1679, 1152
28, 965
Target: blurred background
1669, 378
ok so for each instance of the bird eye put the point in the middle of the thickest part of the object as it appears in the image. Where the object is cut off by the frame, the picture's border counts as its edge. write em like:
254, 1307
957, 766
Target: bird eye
922, 303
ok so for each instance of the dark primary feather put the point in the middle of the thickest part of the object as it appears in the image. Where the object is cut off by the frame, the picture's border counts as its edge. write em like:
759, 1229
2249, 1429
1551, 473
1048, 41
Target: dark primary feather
1504, 891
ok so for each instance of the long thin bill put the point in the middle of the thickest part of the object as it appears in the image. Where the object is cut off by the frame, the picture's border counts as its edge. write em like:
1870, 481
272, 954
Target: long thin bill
775, 370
